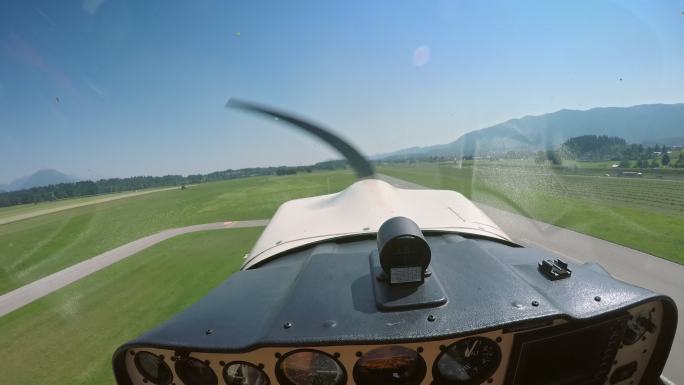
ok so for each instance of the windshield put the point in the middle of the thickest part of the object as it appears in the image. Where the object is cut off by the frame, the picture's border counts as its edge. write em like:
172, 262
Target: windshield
128, 189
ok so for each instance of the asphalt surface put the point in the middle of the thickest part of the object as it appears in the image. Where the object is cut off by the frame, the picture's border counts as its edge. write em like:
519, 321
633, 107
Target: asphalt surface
44, 286
626, 264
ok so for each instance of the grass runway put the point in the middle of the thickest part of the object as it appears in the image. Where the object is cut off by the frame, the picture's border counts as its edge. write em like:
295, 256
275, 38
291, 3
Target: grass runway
69, 336
33, 248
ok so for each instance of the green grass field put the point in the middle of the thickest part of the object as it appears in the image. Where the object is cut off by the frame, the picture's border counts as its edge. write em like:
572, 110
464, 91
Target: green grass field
13, 213
35, 247
68, 337
644, 214
571, 167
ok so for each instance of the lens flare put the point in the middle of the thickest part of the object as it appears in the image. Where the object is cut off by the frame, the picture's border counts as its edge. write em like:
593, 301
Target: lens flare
421, 56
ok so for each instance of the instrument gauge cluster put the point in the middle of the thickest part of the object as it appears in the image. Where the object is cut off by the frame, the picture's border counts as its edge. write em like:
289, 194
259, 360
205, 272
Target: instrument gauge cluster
458, 361
617, 348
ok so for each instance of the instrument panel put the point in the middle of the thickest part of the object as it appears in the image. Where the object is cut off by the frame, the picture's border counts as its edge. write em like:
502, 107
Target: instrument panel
613, 350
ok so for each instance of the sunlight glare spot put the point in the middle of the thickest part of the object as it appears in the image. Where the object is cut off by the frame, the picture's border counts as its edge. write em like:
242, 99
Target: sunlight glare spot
421, 56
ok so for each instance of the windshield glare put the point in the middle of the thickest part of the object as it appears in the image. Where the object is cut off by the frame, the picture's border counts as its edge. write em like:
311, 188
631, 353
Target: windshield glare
130, 186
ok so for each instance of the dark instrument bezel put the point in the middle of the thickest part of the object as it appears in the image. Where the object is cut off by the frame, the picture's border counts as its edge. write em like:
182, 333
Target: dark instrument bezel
556, 332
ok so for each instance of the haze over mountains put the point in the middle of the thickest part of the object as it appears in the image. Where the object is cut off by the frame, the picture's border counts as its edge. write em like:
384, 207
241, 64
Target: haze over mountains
646, 124
39, 178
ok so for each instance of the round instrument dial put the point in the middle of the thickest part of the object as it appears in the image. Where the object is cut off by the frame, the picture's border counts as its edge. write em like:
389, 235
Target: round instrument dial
390, 365
469, 361
310, 367
153, 368
195, 372
244, 373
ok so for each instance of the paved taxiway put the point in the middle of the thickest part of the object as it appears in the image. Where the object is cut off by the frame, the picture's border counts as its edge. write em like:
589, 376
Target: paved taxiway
30, 292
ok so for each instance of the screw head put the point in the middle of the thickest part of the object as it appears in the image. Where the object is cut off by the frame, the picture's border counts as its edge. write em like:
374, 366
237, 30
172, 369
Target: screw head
287, 325
431, 318
597, 299
535, 303
330, 324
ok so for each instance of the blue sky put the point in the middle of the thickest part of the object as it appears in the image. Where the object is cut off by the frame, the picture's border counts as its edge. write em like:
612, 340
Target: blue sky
142, 84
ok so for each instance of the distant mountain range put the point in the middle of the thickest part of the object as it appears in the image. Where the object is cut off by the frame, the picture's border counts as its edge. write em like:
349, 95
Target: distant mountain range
646, 124
37, 179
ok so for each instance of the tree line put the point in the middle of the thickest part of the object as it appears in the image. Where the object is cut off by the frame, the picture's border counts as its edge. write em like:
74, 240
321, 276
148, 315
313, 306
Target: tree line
113, 185
581, 148
596, 148
601, 147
